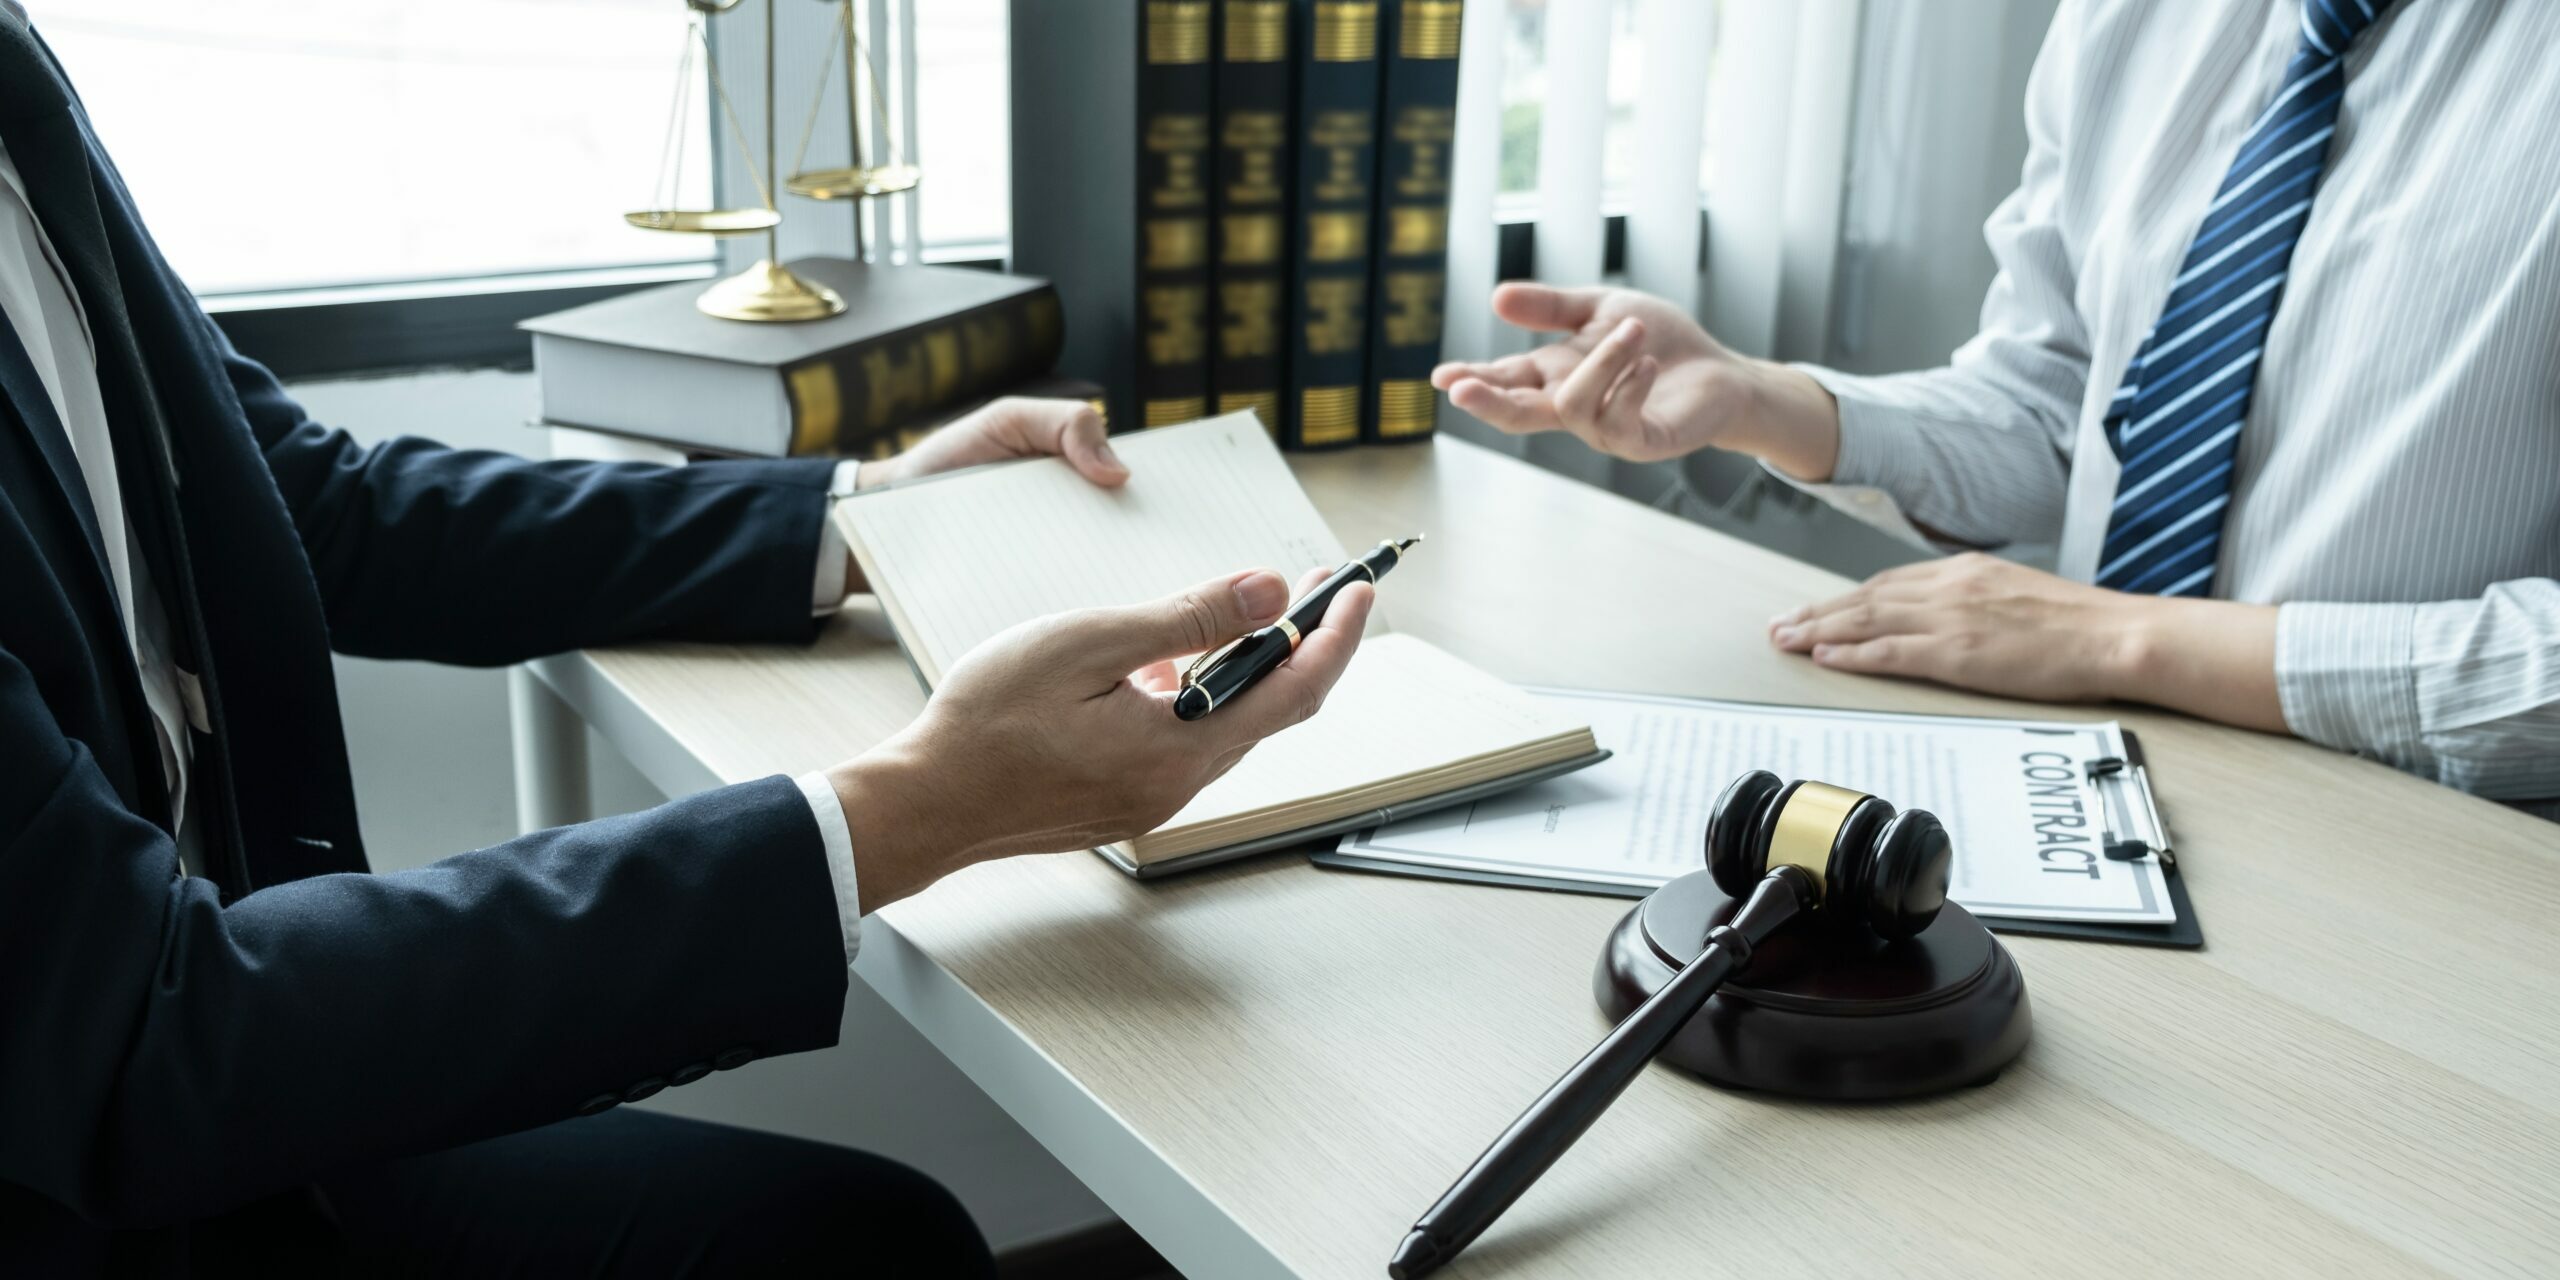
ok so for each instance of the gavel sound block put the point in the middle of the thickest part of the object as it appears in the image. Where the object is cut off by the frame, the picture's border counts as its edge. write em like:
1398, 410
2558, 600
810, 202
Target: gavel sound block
1816, 955
1824, 1013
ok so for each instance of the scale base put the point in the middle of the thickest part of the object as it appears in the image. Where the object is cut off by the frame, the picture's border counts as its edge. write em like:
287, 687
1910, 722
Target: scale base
1820, 1015
767, 292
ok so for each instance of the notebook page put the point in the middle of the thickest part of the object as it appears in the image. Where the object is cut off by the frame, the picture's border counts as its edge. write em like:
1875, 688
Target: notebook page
1404, 707
968, 556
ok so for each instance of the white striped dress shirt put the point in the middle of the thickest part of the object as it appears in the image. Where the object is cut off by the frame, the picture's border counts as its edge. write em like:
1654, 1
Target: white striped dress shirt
2397, 489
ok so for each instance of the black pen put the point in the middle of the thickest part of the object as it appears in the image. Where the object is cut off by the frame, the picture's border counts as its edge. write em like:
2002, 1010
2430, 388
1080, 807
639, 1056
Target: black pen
1221, 674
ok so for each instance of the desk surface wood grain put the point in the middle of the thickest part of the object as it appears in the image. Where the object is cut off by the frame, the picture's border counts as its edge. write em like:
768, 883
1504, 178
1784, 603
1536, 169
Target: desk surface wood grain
2357, 1076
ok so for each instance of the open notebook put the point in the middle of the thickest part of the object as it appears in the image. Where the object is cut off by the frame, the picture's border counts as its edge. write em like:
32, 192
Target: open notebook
958, 558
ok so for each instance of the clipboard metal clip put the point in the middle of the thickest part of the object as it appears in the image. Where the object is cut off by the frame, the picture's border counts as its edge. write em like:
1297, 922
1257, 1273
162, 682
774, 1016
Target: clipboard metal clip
2130, 836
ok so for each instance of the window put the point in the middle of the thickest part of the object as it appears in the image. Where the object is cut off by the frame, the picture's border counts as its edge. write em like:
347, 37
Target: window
962, 131
295, 144
1524, 95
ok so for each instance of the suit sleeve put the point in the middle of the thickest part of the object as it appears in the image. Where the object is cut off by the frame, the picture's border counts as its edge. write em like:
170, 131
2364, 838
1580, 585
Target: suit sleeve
484, 558
163, 1056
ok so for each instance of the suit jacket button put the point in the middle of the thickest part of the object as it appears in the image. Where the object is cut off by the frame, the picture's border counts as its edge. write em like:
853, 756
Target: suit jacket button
689, 1072
644, 1088
735, 1058
600, 1102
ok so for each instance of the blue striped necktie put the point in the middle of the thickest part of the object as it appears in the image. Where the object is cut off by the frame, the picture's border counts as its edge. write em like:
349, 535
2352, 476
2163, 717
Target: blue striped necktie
2175, 421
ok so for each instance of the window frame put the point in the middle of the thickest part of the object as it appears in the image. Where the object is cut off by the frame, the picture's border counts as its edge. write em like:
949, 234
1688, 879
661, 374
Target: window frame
470, 323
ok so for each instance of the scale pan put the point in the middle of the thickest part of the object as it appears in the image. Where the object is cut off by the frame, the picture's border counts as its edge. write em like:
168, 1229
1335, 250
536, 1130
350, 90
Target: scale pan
844, 184
704, 222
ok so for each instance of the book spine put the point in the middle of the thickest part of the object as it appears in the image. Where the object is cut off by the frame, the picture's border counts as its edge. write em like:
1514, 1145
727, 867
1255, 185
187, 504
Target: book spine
1337, 80
1074, 163
873, 398
1249, 360
1418, 116
1174, 108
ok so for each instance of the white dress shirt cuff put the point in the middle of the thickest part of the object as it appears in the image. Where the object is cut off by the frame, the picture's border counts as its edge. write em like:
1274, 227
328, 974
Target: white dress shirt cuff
1875, 451
1879, 433
2345, 678
827, 594
838, 839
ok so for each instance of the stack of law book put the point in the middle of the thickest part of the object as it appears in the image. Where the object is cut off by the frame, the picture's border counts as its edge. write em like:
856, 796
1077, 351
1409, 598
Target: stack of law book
1244, 204
1410, 728
915, 345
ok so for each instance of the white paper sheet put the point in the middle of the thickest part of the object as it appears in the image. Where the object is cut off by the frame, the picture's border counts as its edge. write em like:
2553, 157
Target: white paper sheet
2026, 822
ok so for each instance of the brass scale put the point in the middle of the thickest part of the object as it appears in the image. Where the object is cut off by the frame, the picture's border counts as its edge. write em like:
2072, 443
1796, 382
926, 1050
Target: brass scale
769, 291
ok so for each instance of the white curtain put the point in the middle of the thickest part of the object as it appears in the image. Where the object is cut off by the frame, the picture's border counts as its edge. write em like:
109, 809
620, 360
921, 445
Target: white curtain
1764, 87
1853, 148
1937, 143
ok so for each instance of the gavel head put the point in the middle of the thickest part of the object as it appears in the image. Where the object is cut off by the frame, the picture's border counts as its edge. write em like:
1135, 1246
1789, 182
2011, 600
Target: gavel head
1877, 870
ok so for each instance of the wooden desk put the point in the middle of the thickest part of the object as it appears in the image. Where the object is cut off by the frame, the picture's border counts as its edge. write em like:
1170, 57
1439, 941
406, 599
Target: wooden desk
1269, 1069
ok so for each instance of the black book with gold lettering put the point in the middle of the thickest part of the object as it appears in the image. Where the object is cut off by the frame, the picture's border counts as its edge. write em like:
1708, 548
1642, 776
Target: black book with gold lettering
1249, 358
1113, 168
1336, 56
1417, 126
1174, 109
914, 343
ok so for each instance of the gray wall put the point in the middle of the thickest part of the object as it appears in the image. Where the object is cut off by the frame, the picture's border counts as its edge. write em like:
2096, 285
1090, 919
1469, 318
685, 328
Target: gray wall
434, 777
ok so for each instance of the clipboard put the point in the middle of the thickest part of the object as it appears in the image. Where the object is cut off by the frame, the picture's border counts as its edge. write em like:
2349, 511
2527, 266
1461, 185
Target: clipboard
2132, 830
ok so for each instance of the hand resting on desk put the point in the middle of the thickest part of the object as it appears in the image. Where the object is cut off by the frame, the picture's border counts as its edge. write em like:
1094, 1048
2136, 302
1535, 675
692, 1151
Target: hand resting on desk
1980, 622
1638, 378
1059, 734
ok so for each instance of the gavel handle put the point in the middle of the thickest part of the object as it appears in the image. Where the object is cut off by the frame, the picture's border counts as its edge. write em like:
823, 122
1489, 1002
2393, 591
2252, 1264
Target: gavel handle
1560, 1115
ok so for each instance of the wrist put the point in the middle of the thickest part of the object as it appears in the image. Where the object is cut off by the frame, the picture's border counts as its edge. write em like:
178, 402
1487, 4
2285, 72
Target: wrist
1792, 423
2210, 658
902, 837
2138, 646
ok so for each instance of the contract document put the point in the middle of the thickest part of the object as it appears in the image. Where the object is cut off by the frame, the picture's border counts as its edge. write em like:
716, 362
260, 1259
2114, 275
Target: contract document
2039, 833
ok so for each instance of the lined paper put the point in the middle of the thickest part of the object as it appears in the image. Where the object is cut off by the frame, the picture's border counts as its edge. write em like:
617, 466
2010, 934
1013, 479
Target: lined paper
962, 558
1407, 720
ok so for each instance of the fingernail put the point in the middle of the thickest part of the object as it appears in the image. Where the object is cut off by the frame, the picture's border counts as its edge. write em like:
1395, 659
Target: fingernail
1823, 652
1104, 450
1789, 635
1261, 595
1792, 615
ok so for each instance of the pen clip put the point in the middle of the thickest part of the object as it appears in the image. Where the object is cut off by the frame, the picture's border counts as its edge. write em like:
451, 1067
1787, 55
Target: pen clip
1191, 674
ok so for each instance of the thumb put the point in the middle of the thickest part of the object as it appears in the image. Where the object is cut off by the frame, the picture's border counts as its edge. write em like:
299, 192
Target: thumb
1123, 639
1545, 308
1086, 446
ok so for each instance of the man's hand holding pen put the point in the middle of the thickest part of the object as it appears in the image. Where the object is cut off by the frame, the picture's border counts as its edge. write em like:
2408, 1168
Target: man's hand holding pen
1060, 733
1222, 673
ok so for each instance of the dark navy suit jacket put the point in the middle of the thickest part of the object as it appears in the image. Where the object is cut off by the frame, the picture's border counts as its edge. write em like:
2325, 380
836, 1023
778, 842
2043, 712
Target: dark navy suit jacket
171, 1047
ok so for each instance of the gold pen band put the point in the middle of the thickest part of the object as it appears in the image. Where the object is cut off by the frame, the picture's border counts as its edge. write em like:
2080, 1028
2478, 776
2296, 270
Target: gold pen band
1292, 629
